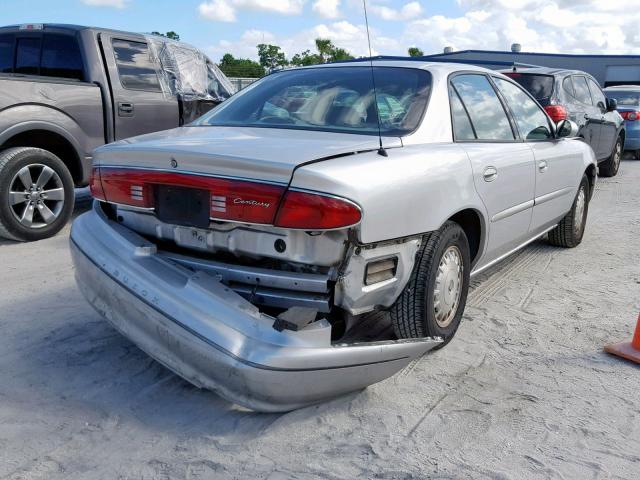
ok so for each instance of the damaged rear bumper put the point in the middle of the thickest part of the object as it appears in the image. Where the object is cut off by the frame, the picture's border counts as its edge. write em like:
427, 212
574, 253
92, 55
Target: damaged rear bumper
210, 335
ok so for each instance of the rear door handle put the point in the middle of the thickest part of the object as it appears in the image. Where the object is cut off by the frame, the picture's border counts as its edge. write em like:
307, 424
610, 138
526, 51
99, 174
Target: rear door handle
125, 109
490, 174
543, 166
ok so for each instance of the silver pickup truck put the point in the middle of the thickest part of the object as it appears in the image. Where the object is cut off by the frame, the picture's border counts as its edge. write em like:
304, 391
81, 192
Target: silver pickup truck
65, 90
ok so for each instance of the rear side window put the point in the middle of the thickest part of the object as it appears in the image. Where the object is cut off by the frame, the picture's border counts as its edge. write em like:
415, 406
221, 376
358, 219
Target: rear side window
539, 86
486, 112
6, 53
135, 66
28, 56
531, 120
462, 128
567, 86
581, 90
597, 95
61, 57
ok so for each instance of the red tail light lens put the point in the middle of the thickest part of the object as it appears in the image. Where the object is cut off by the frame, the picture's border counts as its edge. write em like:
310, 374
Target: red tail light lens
95, 185
311, 211
236, 200
630, 116
557, 112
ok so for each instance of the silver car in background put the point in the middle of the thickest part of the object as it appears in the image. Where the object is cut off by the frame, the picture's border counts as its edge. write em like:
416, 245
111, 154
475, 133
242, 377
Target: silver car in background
236, 249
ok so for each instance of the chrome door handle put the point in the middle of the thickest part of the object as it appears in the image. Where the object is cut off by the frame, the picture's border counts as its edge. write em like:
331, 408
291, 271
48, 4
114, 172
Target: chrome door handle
543, 166
490, 174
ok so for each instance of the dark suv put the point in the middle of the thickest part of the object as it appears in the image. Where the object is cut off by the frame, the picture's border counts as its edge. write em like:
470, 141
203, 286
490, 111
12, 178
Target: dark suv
575, 95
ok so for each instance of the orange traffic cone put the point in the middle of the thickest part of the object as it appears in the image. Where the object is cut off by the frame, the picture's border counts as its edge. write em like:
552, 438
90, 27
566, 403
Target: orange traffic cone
629, 351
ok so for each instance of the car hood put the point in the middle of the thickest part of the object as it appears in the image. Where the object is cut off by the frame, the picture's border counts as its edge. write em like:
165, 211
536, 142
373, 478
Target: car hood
268, 154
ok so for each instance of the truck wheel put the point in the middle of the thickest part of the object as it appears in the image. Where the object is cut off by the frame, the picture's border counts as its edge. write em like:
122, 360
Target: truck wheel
569, 232
36, 194
609, 168
432, 302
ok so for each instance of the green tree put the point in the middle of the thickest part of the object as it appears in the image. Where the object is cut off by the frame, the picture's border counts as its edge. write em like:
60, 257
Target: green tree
271, 56
327, 52
415, 52
306, 58
172, 35
240, 67
324, 47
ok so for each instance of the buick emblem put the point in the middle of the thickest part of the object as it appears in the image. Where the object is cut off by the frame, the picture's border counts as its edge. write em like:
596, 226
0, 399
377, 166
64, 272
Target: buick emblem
174, 163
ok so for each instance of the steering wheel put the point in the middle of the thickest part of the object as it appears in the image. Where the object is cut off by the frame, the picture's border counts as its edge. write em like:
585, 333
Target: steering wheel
276, 119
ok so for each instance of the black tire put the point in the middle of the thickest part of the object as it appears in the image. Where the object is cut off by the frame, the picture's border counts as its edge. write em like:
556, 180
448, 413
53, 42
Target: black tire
414, 314
49, 212
568, 233
610, 167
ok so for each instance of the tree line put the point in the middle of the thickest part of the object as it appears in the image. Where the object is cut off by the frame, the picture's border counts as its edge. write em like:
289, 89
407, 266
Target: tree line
271, 57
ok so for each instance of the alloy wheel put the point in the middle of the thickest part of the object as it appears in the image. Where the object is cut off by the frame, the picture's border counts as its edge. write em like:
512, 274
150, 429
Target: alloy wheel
36, 196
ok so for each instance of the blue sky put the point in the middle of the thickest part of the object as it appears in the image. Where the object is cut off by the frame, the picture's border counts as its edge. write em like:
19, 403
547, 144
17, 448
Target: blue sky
236, 26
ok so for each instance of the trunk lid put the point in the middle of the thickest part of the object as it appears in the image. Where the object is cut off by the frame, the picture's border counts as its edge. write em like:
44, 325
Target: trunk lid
265, 154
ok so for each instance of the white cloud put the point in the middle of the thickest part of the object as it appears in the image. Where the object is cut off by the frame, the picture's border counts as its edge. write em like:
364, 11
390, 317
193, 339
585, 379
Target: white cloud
226, 10
327, 8
352, 38
106, 3
555, 26
410, 11
567, 26
218, 11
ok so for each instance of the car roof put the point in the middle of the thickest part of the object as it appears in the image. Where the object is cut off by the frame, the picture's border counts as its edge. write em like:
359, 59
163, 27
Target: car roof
443, 68
546, 71
626, 88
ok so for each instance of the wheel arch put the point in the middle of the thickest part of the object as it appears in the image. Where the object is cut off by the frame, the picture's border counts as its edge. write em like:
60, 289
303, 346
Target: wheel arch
474, 226
47, 137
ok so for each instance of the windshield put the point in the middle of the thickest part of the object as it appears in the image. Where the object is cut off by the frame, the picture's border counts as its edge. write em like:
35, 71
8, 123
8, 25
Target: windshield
540, 86
337, 99
625, 98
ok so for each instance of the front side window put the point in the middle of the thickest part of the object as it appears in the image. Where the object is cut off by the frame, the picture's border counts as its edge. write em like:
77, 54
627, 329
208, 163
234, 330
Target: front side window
581, 90
340, 99
597, 95
531, 120
28, 56
6, 53
61, 57
486, 112
136, 68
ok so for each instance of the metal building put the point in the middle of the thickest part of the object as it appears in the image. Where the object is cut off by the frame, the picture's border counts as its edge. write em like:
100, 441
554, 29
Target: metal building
607, 69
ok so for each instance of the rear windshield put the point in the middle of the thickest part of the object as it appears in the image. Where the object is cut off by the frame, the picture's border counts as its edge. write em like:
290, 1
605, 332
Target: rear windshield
337, 99
625, 98
540, 86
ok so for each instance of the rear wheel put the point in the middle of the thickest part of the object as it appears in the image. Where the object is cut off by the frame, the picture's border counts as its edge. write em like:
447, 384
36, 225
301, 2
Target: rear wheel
569, 232
36, 194
432, 302
609, 168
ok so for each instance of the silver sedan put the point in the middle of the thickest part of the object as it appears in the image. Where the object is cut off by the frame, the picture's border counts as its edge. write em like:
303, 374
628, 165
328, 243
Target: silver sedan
237, 250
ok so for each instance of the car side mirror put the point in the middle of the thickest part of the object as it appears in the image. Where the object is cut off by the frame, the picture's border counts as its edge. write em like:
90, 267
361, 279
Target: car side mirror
612, 104
566, 129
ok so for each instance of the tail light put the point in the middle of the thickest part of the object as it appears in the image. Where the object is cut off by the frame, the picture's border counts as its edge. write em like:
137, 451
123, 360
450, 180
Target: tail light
95, 185
312, 211
556, 112
630, 116
230, 199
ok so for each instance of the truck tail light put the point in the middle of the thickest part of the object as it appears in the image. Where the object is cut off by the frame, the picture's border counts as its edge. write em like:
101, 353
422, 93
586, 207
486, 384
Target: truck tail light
314, 211
630, 116
556, 112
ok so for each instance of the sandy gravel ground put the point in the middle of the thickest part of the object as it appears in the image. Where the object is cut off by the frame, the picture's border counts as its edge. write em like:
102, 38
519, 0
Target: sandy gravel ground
523, 392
